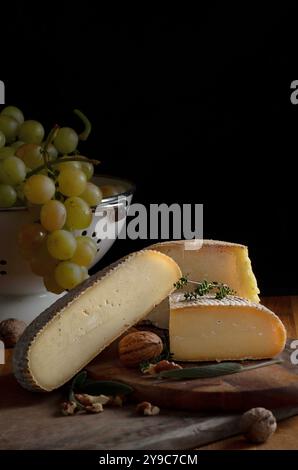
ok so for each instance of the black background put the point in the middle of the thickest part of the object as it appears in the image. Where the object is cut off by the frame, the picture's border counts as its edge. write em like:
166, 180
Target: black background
192, 105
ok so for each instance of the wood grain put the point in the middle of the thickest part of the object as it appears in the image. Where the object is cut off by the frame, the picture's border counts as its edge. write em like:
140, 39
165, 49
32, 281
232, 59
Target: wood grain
33, 421
271, 387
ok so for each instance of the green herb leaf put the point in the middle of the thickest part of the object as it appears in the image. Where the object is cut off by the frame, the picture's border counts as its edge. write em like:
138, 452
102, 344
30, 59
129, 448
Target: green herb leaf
79, 380
213, 370
105, 387
181, 283
203, 288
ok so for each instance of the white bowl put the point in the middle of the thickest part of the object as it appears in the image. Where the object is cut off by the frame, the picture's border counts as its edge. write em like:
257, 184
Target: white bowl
22, 293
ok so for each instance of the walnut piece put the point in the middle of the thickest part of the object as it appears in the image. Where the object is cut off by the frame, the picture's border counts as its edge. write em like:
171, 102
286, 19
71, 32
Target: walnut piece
258, 424
166, 365
161, 366
145, 408
89, 400
139, 346
94, 408
11, 331
68, 408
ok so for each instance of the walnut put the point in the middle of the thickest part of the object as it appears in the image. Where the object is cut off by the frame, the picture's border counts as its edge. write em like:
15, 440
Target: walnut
89, 400
166, 365
139, 346
258, 424
11, 331
94, 408
145, 408
68, 408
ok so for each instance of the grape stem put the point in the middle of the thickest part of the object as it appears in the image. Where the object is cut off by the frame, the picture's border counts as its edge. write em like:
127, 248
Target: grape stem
52, 135
61, 160
87, 129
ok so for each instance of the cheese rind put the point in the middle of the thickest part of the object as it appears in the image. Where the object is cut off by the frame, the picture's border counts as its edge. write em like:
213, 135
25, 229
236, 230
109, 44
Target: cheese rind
212, 260
70, 333
207, 329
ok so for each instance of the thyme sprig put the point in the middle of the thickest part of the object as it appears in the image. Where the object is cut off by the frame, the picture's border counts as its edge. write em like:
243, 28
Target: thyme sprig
204, 287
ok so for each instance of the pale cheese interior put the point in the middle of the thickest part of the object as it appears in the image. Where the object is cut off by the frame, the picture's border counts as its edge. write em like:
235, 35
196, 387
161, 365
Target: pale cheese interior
85, 327
213, 261
201, 333
226, 263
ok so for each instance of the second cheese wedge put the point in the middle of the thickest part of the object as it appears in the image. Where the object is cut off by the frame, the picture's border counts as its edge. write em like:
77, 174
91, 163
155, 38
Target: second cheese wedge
211, 260
214, 260
64, 338
207, 329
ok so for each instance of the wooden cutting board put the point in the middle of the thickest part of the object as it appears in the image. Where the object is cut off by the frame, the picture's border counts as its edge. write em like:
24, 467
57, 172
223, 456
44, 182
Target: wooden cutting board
272, 387
33, 421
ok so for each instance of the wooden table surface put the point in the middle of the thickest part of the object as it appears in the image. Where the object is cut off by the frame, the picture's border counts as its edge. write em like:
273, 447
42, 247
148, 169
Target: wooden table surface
286, 436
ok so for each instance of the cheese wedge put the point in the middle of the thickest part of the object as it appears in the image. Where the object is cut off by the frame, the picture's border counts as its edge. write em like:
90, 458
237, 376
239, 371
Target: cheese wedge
207, 329
212, 260
69, 334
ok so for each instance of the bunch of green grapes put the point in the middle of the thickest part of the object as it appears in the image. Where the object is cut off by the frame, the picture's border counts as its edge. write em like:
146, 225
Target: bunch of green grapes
52, 176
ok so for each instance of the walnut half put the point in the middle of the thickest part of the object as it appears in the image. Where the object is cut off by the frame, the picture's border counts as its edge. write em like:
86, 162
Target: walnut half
161, 366
147, 409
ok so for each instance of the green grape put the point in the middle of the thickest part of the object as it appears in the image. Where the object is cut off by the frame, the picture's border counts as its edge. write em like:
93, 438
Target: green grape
85, 274
51, 284
12, 171
8, 195
72, 182
9, 126
53, 215
52, 151
31, 155
6, 152
66, 140
17, 144
68, 275
87, 168
92, 194
85, 252
31, 132
88, 240
30, 238
61, 244
39, 189
2, 139
78, 213
14, 112
41, 262
69, 166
